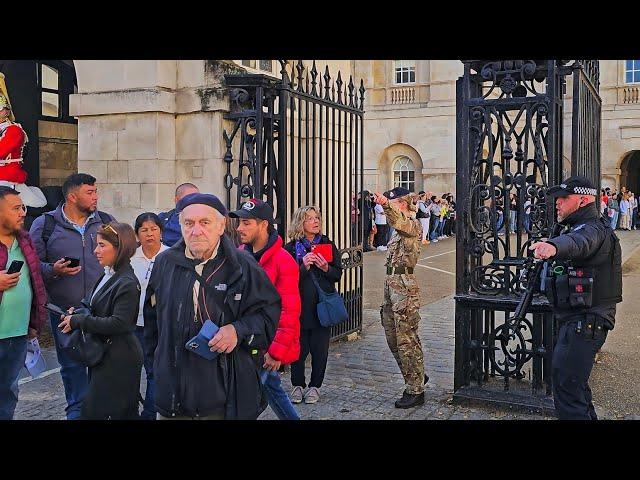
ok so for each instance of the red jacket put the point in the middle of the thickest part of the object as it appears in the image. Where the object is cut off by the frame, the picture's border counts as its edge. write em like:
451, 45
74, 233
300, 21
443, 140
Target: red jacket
284, 273
39, 294
12, 139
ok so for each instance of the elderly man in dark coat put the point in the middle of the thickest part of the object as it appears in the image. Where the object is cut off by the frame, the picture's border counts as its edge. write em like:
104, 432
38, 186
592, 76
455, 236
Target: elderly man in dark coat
203, 277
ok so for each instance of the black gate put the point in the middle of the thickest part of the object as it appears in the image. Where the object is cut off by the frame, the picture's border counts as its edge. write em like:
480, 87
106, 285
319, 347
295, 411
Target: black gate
509, 151
299, 140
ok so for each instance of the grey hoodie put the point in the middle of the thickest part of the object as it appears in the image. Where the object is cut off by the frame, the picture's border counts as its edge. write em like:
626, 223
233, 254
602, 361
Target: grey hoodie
67, 291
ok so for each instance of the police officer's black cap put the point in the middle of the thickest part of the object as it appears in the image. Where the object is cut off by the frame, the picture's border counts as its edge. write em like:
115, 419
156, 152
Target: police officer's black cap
576, 185
254, 208
396, 193
203, 199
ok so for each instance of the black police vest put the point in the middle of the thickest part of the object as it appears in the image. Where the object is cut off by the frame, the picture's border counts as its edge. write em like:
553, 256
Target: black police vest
606, 262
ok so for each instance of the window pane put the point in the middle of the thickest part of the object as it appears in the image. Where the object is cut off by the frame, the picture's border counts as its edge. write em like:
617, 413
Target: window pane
629, 64
398, 76
50, 104
629, 77
636, 64
265, 65
636, 76
412, 76
411, 175
49, 77
249, 63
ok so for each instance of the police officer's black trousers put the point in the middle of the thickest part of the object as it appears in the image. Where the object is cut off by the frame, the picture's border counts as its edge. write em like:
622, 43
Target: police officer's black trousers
573, 359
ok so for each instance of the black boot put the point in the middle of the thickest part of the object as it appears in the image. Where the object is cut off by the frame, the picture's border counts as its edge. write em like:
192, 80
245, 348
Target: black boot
409, 400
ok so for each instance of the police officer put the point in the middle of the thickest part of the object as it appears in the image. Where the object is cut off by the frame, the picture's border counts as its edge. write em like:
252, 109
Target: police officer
399, 312
583, 281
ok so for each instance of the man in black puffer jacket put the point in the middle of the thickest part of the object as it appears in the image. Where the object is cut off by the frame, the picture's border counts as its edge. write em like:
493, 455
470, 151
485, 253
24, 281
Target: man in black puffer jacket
204, 277
583, 284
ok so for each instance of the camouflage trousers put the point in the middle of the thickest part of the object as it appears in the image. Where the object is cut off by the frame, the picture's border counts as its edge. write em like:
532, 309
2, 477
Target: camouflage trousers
400, 319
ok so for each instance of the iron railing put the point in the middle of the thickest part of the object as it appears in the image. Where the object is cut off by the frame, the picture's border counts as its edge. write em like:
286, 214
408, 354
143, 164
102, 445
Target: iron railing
299, 141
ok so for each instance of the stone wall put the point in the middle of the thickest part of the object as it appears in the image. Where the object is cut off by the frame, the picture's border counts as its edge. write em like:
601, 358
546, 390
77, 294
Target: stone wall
58, 151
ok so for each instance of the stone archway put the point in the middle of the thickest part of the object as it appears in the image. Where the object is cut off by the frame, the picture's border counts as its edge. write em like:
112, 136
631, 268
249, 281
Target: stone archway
388, 159
630, 171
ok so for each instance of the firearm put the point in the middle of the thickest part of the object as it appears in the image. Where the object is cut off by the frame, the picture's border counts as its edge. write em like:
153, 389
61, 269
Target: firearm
533, 275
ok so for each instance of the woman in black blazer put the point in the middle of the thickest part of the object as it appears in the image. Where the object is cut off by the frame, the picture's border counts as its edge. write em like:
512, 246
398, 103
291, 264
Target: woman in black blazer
114, 384
314, 338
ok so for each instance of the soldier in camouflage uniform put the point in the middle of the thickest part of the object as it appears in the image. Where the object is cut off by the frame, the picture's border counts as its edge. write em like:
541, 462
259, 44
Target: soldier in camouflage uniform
399, 312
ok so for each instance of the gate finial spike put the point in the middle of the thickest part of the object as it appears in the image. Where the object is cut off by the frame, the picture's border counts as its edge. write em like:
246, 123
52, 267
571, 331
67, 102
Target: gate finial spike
283, 71
300, 68
339, 84
314, 75
327, 79
351, 87
361, 94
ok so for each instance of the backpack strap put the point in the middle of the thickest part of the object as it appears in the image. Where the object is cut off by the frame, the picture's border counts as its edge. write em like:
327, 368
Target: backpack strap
49, 226
104, 217
167, 215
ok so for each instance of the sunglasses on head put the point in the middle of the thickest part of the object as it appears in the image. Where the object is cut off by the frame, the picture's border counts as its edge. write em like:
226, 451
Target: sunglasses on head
110, 228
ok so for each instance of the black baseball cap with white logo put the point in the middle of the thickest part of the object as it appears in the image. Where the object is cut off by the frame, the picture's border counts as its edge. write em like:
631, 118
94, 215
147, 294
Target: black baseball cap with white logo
254, 208
396, 192
576, 185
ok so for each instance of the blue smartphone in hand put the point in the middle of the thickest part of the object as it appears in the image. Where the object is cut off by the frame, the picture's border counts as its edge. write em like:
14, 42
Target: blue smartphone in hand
200, 343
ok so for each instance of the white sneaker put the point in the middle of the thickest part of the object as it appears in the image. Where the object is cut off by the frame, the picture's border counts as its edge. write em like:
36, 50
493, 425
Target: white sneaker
435, 240
297, 394
312, 395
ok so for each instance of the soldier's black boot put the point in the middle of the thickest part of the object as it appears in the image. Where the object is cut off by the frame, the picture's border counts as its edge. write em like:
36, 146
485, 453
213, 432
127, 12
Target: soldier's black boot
409, 400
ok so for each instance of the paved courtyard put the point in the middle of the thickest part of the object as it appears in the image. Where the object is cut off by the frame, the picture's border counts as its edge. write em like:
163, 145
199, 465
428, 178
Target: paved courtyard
363, 381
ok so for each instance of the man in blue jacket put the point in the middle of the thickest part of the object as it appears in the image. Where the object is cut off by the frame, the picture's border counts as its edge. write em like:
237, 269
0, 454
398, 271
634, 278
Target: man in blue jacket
171, 227
70, 231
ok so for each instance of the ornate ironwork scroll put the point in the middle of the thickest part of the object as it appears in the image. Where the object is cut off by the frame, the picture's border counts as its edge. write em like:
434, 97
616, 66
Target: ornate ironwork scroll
298, 140
509, 151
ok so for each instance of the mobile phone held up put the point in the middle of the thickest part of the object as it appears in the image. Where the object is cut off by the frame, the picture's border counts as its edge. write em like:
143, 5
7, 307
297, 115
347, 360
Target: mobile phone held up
74, 262
55, 309
325, 250
15, 267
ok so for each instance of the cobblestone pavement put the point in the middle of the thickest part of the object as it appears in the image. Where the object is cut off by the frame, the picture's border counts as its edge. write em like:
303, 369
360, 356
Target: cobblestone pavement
362, 380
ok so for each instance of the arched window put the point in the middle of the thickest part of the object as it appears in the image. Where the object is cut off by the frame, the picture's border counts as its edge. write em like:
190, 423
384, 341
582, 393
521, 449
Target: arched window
404, 174
632, 71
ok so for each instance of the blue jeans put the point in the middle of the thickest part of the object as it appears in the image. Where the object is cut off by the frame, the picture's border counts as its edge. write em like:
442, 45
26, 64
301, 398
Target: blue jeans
500, 222
614, 219
74, 374
512, 221
278, 399
527, 221
434, 232
13, 352
149, 407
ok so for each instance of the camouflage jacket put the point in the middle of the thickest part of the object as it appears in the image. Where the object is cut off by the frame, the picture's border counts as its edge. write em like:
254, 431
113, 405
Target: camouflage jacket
404, 246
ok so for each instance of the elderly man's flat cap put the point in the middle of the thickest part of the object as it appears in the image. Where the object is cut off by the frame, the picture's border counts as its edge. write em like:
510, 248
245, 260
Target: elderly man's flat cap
202, 199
